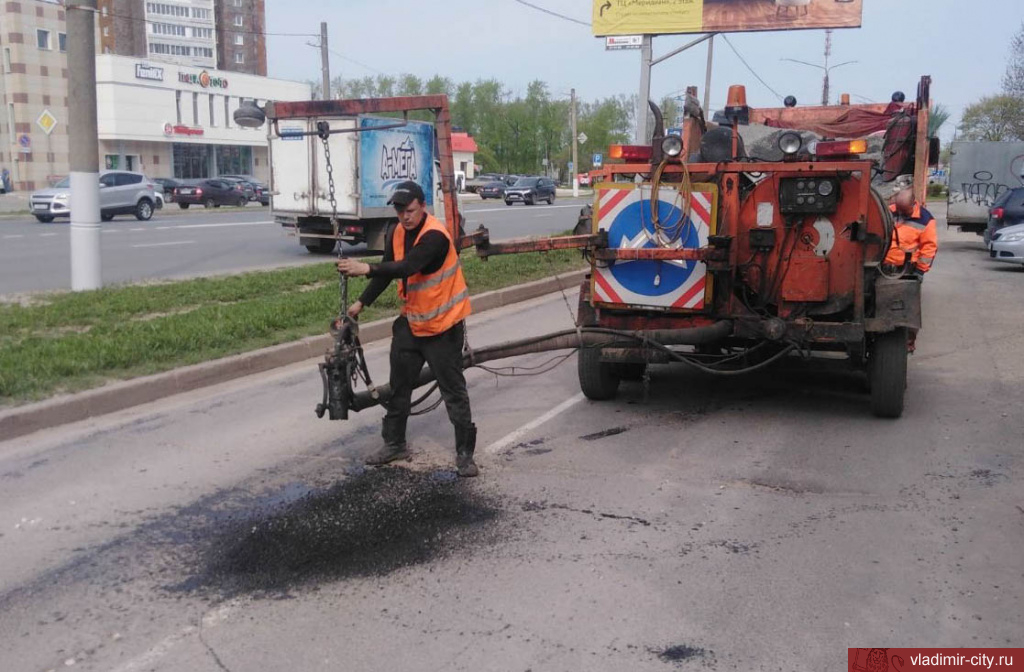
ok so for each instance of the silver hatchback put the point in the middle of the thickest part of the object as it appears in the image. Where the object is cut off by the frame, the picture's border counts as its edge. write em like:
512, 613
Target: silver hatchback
121, 193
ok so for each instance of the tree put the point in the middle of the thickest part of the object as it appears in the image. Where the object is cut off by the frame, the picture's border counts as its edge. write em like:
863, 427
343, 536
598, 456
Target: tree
994, 118
937, 117
1013, 80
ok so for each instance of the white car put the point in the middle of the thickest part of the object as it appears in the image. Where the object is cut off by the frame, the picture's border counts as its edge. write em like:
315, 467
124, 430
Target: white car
1008, 245
121, 193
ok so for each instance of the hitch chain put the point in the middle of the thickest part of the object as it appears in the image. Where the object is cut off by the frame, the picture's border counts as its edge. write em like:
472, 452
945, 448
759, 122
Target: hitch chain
344, 364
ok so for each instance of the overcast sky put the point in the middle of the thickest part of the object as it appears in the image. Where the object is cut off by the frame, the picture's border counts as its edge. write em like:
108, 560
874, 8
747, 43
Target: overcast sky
963, 45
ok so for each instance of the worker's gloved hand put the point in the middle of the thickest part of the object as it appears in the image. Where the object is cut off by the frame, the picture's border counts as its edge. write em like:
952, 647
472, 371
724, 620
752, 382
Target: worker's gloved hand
918, 275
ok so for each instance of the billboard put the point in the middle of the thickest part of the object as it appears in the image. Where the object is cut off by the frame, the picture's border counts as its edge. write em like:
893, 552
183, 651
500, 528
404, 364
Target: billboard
394, 155
662, 17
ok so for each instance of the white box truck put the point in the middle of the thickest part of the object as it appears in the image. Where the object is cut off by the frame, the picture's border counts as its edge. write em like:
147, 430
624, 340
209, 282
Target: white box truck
369, 154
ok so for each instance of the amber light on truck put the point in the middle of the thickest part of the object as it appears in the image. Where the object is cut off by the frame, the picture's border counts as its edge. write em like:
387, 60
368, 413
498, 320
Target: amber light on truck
840, 148
630, 152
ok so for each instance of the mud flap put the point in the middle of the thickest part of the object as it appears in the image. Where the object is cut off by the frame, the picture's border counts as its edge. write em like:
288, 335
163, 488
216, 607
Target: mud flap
897, 304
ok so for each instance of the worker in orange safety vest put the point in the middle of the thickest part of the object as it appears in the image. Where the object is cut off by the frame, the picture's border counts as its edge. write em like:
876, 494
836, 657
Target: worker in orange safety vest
420, 254
915, 240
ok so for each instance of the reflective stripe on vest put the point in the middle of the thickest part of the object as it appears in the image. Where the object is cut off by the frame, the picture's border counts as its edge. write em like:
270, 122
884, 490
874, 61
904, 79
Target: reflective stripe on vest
432, 282
435, 302
423, 317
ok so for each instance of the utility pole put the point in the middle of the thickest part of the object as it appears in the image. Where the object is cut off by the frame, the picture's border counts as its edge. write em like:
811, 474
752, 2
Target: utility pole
575, 158
646, 56
83, 137
325, 63
707, 77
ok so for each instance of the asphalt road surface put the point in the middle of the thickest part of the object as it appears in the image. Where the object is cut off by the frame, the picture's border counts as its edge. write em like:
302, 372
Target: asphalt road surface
761, 523
180, 244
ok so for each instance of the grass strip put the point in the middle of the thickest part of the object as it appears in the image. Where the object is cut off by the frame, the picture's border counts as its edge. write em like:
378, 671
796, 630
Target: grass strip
65, 342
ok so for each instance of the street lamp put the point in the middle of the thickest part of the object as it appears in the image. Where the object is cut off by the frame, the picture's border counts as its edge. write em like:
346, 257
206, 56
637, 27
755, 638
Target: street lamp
827, 68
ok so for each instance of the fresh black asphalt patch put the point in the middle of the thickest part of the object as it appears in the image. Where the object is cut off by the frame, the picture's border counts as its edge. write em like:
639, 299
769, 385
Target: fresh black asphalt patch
368, 525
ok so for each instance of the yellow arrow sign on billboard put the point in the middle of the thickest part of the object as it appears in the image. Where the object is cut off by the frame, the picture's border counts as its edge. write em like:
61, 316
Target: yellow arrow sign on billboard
650, 17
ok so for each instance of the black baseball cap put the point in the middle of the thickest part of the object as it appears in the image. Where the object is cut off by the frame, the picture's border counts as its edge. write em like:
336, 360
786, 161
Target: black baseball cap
405, 193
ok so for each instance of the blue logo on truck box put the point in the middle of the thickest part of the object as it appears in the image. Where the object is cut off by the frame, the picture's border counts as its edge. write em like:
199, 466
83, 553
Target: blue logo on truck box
388, 157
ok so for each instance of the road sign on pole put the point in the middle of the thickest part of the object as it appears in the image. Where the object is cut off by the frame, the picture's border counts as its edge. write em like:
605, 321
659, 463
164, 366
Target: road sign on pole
582, 137
598, 160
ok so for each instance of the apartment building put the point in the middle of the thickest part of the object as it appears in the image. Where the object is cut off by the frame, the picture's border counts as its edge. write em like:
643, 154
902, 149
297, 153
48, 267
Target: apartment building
223, 34
34, 87
241, 39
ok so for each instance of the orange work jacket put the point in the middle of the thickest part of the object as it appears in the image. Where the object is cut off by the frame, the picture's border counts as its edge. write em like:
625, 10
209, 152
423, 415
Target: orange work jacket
432, 302
917, 236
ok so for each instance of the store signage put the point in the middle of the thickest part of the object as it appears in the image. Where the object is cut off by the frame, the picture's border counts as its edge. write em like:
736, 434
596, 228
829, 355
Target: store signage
150, 72
617, 42
170, 129
203, 79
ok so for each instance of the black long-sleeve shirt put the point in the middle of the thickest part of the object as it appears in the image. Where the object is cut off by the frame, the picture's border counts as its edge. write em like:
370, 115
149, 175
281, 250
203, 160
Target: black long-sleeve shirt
424, 256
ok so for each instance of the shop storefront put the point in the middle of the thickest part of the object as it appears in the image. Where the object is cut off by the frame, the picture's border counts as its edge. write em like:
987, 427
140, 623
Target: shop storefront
176, 121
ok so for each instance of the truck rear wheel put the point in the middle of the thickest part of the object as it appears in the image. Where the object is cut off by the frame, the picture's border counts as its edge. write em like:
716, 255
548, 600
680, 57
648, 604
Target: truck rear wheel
598, 380
322, 246
887, 372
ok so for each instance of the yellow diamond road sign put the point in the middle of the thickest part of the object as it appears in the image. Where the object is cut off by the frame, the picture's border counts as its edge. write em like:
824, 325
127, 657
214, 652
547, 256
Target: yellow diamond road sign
47, 122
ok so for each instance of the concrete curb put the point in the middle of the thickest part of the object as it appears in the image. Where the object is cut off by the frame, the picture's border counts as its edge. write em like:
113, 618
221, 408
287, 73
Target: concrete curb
118, 396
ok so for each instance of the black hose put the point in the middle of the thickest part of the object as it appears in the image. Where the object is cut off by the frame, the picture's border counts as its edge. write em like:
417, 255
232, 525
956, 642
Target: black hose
588, 337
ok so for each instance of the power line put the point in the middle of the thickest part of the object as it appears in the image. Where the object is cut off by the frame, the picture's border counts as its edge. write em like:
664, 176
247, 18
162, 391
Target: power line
548, 11
225, 30
744, 61
352, 60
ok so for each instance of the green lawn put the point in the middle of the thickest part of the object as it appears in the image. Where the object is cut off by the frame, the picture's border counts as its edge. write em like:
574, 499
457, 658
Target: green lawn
65, 342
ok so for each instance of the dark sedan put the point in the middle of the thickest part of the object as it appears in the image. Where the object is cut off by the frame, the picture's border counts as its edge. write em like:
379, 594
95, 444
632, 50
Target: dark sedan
168, 185
491, 190
210, 193
1007, 210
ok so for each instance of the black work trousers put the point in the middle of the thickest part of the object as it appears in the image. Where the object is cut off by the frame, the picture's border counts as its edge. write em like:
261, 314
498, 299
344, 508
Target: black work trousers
443, 353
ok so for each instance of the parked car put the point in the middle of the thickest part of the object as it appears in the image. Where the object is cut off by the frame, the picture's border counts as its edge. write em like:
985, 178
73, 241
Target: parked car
121, 193
1006, 210
167, 185
492, 190
241, 185
262, 193
211, 193
1008, 245
584, 179
530, 190
482, 180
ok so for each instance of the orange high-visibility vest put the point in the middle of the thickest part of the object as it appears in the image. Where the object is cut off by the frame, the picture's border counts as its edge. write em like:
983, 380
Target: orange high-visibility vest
435, 302
916, 236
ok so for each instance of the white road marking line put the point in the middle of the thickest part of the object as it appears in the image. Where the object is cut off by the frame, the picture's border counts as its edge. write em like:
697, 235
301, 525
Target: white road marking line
213, 226
512, 437
16, 235
176, 242
112, 230
46, 235
509, 208
138, 229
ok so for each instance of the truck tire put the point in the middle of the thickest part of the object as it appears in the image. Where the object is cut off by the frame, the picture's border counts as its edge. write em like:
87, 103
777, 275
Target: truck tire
322, 246
598, 380
887, 371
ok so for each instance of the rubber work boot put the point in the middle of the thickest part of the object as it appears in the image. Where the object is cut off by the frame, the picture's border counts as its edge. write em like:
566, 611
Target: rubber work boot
465, 444
395, 448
